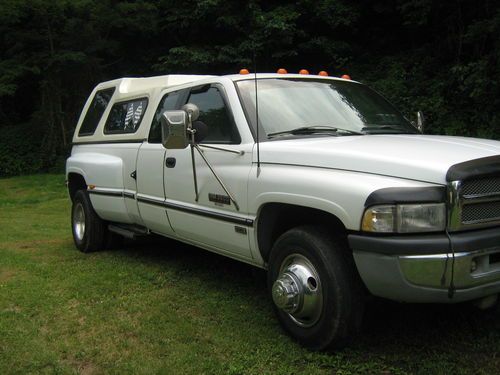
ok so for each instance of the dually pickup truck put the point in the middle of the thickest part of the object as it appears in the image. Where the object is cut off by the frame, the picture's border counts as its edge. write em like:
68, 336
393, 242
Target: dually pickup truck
318, 180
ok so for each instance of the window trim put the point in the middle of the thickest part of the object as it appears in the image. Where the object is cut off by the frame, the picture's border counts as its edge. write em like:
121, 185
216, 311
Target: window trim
222, 91
116, 132
253, 131
89, 134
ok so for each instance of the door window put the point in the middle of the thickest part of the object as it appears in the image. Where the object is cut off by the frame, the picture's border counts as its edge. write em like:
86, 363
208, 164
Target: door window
214, 113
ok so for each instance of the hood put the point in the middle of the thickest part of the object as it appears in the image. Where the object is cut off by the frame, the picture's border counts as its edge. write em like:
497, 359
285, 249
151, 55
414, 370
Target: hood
416, 157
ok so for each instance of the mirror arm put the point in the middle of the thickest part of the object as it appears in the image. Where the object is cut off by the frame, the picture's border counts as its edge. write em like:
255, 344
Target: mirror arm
197, 196
224, 149
191, 133
200, 151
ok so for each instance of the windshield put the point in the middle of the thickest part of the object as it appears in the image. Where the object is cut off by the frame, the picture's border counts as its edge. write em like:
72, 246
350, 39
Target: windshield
286, 105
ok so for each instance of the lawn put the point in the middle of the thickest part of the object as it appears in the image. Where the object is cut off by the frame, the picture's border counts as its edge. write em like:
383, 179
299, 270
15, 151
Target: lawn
165, 307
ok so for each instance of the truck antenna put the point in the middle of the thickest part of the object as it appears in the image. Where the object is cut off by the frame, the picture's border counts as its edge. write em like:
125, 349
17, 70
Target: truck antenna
256, 110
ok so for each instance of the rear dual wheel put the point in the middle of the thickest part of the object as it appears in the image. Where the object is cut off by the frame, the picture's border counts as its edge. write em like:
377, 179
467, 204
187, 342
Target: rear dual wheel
90, 232
317, 293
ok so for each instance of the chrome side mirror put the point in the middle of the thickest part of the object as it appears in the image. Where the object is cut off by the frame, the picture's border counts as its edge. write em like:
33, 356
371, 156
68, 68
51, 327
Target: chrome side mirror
420, 121
177, 130
174, 125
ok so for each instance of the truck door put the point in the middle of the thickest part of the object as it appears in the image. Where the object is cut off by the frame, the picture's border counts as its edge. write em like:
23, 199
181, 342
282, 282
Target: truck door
211, 218
150, 171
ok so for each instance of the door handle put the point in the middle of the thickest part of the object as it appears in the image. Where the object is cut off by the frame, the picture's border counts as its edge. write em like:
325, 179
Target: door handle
170, 162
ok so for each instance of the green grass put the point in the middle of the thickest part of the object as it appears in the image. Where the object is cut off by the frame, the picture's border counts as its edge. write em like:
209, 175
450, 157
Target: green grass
164, 307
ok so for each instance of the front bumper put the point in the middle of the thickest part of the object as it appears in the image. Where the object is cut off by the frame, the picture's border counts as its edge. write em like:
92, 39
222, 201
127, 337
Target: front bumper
420, 268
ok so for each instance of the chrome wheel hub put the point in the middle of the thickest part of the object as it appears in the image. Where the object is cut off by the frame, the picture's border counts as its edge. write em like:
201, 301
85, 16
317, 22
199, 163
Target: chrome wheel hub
297, 290
79, 222
286, 293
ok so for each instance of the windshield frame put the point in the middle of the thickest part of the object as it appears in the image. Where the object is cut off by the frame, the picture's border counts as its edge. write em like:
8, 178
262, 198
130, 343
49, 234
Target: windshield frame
409, 129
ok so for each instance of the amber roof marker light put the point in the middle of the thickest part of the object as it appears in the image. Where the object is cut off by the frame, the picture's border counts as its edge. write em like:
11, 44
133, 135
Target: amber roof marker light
323, 73
281, 71
244, 71
345, 76
303, 71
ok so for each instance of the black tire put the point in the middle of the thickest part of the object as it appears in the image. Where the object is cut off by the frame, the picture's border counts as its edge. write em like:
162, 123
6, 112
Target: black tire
89, 230
336, 320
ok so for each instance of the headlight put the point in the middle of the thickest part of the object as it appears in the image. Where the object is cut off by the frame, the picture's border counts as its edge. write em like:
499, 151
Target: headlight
405, 218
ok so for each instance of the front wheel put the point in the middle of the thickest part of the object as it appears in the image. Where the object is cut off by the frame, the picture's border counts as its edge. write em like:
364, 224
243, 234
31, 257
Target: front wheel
89, 230
317, 293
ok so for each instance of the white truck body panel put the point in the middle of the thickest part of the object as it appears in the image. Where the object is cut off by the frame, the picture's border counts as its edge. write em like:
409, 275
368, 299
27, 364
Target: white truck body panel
337, 192
415, 157
234, 171
150, 163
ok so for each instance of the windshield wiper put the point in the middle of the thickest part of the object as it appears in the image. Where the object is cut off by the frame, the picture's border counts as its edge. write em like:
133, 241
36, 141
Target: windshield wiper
394, 128
312, 130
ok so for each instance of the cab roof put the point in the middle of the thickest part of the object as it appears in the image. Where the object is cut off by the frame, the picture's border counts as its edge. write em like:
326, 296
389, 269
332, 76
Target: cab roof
131, 85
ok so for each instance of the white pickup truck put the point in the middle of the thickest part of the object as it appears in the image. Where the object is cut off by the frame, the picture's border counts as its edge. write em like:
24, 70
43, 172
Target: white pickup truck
318, 180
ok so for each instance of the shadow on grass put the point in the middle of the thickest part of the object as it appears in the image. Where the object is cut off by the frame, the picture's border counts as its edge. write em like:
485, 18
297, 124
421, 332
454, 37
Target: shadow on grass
211, 267
415, 330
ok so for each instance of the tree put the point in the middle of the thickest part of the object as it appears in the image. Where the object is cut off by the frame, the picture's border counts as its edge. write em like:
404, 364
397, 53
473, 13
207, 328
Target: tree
439, 57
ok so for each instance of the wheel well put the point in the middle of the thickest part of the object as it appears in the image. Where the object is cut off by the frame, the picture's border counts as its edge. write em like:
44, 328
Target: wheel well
75, 182
276, 218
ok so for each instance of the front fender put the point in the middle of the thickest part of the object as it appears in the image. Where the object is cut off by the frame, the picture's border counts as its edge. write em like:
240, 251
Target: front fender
338, 192
304, 201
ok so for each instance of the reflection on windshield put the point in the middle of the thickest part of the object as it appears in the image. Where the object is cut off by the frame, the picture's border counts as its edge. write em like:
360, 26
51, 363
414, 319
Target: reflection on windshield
286, 104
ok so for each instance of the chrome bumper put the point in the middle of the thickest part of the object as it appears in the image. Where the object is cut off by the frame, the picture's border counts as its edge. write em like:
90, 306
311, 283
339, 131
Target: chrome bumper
470, 269
424, 277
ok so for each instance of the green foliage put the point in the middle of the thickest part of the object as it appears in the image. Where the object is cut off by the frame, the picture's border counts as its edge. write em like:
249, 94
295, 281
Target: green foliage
439, 57
446, 64
19, 150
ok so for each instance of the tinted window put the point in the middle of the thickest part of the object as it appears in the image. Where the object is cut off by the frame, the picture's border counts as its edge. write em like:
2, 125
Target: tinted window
125, 117
95, 111
167, 103
213, 113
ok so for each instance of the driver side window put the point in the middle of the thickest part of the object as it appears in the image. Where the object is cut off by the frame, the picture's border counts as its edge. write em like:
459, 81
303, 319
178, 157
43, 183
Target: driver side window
214, 113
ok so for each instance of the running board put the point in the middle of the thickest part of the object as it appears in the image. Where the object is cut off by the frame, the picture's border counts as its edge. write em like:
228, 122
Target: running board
128, 231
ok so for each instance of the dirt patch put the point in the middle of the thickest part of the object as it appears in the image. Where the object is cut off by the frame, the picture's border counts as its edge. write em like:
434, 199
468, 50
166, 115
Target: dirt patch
14, 309
73, 304
87, 368
6, 275
83, 367
35, 245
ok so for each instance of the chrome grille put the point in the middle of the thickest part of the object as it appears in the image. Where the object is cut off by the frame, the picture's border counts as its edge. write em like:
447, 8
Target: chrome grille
480, 212
474, 203
483, 186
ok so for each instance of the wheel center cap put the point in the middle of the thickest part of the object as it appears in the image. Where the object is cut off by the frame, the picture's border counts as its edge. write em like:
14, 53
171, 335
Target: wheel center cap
285, 293
298, 290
